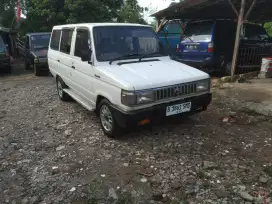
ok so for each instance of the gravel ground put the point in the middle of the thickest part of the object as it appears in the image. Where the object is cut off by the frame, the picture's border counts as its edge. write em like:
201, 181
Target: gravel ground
55, 152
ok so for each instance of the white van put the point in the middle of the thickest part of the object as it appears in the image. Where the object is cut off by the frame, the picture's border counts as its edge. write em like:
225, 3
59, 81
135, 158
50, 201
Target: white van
122, 72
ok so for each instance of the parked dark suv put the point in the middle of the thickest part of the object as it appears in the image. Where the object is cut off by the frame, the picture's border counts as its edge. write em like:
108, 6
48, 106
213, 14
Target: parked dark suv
4, 58
34, 51
209, 45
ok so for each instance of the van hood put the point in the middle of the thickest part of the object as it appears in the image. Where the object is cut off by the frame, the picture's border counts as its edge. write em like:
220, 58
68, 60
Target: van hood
154, 74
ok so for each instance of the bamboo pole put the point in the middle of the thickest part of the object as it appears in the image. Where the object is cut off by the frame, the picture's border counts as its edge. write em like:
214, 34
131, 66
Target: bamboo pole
237, 39
250, 9
233, 7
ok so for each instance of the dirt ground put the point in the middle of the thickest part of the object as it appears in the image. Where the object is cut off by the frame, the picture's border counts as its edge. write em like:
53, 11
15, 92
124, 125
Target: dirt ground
55, 152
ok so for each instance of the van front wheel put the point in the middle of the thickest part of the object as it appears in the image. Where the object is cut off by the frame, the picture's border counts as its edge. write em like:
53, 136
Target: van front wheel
37, 71
107, 120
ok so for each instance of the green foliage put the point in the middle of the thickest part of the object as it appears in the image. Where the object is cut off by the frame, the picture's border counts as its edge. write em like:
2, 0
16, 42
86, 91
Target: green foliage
131, 12
7, 12
268, 27
42, 15
153, 25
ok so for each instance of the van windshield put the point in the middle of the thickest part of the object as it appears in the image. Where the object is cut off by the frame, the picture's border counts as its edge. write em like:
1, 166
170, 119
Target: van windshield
112, 42
40, 41
255, 32
200, 31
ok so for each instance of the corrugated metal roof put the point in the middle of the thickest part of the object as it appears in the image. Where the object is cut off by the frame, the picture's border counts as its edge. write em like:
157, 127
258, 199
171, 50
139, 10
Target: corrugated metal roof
216, 9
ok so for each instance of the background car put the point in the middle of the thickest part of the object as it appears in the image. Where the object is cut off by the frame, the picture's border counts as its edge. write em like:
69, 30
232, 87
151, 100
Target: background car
5, 66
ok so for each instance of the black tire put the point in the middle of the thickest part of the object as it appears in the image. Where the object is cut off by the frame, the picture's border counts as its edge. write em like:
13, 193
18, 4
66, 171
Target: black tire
60, 86
114, 130
227, 69
27, 65
7, 70
37, 71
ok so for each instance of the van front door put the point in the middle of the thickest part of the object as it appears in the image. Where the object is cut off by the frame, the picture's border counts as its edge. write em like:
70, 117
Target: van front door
83, 71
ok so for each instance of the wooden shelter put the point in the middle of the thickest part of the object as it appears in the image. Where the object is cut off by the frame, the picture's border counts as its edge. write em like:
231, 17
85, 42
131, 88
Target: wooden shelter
257, 11
9, 36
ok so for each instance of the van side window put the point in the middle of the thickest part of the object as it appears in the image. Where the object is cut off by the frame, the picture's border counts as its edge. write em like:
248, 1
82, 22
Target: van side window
82, 46
66, 40
55, 40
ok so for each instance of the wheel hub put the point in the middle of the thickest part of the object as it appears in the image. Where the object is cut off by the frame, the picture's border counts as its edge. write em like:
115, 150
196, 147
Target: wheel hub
106, 118
60, 91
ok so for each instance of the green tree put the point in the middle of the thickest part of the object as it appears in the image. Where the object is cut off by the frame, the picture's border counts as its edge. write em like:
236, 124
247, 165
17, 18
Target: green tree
42, 15
7, 12
268, 27
131, 12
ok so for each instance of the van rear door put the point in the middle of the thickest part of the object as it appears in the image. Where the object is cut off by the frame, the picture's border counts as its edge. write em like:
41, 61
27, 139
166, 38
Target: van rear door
197, 44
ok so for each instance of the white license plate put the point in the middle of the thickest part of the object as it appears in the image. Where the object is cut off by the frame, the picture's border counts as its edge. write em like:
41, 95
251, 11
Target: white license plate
178, 108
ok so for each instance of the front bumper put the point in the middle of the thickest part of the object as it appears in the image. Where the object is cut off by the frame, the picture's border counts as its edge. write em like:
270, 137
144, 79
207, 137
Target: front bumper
4, 65
42, 65
125, 119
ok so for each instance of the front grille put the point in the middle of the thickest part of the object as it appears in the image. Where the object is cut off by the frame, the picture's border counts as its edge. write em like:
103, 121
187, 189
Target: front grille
175, 91
250, 58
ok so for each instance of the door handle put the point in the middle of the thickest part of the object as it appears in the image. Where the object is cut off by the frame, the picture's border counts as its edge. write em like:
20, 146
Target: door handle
73, 67
97, 76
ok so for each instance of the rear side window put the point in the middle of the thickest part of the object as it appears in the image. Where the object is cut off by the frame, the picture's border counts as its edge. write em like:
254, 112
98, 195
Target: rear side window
66, 39
55, 40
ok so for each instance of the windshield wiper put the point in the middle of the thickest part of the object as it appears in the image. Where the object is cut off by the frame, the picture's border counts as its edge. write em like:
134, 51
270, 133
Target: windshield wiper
124, 57
149, 54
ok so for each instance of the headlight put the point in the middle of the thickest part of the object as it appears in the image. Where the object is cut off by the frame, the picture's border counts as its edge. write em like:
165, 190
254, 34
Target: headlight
130, 98
145, 97
203, 85
36, 59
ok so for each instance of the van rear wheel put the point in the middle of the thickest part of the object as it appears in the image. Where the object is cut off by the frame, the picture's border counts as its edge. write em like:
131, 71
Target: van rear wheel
60, 86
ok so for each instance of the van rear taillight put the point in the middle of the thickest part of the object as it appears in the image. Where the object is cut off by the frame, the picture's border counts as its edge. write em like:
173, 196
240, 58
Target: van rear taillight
177, 48
210, 47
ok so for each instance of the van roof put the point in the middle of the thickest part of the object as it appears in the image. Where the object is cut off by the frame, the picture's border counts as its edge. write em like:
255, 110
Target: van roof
98, 24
